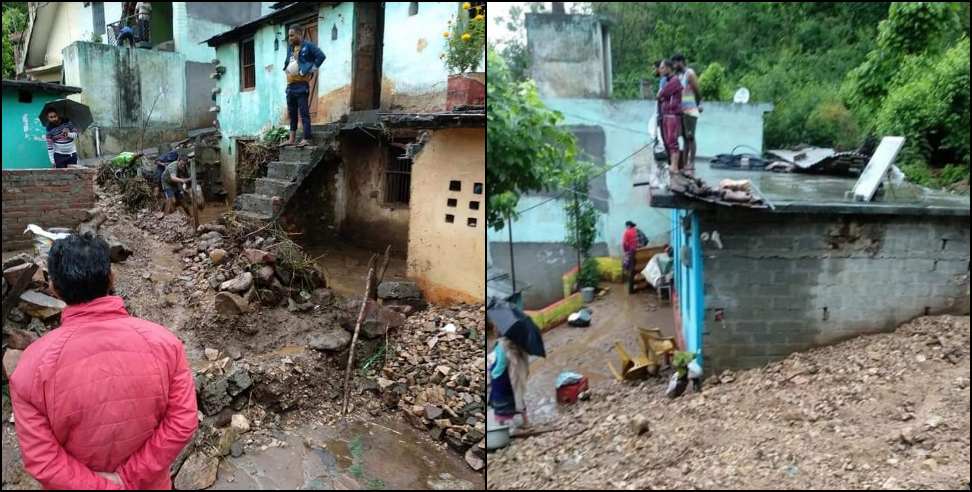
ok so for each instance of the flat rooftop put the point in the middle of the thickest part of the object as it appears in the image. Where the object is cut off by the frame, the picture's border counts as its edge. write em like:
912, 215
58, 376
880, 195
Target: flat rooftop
807, 193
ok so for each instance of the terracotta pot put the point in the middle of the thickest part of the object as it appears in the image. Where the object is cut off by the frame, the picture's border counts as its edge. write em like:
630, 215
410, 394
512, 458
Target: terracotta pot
466, 89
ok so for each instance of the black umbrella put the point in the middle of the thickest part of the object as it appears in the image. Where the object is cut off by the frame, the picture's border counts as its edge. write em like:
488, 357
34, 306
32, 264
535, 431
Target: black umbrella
516, 326
68, 109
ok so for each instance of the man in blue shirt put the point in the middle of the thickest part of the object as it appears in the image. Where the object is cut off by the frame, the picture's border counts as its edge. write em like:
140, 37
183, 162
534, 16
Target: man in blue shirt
301, 63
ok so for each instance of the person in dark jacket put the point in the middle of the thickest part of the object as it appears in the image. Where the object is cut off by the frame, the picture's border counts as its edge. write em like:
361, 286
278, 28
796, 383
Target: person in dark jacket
300, 65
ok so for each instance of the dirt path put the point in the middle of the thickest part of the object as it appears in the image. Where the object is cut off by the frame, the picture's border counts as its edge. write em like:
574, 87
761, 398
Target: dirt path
883, 411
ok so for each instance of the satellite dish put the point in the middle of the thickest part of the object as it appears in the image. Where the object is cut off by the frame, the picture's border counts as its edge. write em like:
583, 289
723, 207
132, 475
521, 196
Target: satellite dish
742, 96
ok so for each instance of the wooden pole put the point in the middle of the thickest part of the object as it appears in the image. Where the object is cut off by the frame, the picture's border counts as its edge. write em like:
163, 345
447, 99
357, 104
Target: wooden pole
357, 328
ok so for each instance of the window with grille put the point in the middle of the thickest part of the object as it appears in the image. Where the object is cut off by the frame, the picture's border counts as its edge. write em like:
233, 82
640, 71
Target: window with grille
398, 176
247, 65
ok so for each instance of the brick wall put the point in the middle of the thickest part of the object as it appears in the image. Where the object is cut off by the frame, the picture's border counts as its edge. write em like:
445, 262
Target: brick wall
46, 197
786, 283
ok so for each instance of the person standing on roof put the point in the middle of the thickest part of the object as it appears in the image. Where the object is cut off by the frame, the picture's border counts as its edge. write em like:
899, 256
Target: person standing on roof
61, 140
106, 401
144, 12
670, 99
300, 65
691, 109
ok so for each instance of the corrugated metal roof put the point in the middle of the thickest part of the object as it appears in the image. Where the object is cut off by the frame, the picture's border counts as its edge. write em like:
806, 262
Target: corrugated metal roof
40, 86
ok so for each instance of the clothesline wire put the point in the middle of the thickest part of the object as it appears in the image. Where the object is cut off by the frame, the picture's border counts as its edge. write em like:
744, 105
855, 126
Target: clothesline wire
599, 174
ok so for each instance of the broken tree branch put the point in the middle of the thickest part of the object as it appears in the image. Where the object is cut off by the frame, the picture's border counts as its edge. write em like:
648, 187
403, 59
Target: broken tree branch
357, 328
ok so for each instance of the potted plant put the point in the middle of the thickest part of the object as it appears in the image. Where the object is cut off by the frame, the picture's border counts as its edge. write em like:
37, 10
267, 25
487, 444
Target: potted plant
465, 46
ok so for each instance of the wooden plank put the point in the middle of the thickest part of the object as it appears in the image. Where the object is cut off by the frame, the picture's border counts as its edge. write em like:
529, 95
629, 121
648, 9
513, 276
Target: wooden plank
877, 168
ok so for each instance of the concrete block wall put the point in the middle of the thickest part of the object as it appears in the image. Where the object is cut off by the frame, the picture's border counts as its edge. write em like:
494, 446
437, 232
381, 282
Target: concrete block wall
785, 283
46, 197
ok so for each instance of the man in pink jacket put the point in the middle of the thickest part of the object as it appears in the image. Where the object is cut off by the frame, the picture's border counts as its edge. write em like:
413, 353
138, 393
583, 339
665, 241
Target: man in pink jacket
106, 401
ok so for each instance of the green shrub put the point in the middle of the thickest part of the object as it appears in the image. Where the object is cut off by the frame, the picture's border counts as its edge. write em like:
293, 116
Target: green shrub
589, 274
713, 83
832, 124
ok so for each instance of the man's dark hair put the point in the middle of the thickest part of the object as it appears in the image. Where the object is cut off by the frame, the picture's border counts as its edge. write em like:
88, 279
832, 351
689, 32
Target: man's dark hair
49, 111
629, 224
80, 268
678, 57
666, 62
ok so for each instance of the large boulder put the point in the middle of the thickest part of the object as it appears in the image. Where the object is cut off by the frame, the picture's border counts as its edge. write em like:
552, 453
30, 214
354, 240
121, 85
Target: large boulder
118, 251
40, 305
197, 473
331, 340
229, 305
395, 289
241, 283
214, 396
237, 379
217, 256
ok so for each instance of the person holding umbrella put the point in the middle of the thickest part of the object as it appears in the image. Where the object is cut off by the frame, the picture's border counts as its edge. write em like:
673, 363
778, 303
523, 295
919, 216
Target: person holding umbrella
509, 363
61, 137
64, 119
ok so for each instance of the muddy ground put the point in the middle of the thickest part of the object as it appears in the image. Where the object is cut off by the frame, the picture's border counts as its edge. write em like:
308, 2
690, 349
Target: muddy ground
305, 444
884, 411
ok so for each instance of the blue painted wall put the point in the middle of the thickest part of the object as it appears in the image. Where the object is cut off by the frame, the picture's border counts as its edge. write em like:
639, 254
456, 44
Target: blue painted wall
688, 278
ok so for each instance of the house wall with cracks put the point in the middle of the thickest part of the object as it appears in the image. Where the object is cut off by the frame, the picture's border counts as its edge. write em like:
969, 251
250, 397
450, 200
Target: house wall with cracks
784, 283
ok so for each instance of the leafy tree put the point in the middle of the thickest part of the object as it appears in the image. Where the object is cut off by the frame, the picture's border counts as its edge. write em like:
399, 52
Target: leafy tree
526, 151
14, 20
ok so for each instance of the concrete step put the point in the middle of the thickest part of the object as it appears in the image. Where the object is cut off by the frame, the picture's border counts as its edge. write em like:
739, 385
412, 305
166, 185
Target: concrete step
297, 154
261, 204
273, 187
284, 170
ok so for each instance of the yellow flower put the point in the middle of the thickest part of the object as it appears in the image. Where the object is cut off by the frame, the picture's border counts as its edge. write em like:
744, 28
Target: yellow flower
466, 6
479, 17
466, 36
445, 34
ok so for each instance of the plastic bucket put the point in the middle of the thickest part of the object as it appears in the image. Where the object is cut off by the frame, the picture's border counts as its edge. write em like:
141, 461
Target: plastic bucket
587, 294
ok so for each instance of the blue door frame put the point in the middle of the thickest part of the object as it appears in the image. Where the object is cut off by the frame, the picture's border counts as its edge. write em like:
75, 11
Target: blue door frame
688, 278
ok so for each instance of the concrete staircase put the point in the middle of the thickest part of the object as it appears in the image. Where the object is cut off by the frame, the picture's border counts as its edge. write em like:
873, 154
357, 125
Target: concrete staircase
285, 176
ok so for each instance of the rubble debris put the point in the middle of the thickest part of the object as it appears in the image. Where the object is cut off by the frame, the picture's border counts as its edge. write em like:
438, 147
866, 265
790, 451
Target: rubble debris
807, 420
40, 305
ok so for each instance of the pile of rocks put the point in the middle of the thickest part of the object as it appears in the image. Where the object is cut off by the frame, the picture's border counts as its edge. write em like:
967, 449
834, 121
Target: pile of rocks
243, 276
855, 415
437, 377
222, 390
30, 307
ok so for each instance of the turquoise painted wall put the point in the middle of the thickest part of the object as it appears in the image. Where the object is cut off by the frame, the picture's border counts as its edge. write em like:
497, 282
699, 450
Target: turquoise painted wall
24, 145
248, 113
625, 125
411, 65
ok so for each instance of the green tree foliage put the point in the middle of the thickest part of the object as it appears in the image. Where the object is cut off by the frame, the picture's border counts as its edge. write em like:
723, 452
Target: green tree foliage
14, 20
525, 149
835, 72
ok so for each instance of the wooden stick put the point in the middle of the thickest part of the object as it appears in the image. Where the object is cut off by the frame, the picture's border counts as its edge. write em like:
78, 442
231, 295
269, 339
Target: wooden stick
354, 339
